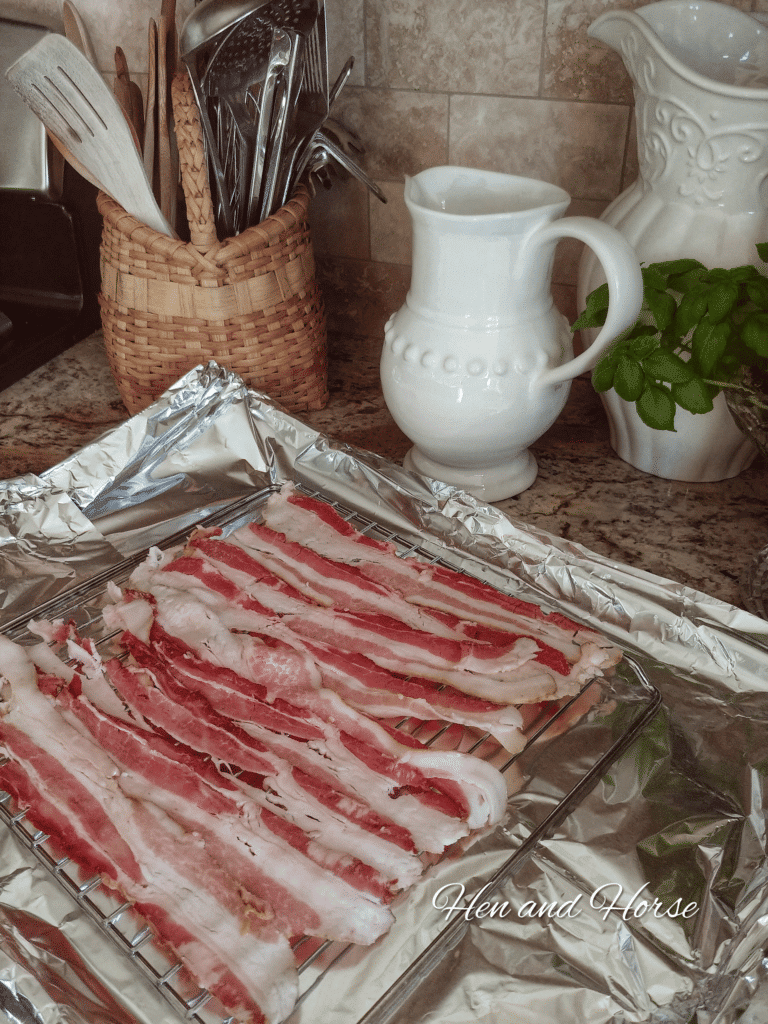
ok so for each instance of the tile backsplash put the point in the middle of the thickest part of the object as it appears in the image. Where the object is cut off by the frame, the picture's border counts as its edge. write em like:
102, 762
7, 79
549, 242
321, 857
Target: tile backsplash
509, 85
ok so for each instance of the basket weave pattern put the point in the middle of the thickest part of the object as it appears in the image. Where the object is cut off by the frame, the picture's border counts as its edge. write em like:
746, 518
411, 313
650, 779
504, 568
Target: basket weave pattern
251, 303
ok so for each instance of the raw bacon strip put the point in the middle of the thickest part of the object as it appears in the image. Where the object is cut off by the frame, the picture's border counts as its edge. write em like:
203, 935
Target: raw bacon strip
209, 635
296, 575
348, 589
318, 526
377, 692
260, 584
204, 679
220, 944
387, 642
360, 682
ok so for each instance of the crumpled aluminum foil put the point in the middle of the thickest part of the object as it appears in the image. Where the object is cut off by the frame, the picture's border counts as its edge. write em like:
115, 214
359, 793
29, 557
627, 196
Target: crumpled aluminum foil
680, 817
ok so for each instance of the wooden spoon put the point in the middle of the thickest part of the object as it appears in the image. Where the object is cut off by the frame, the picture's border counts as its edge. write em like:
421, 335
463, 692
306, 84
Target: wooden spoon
166, 68
150, 111
126, 97
76, 32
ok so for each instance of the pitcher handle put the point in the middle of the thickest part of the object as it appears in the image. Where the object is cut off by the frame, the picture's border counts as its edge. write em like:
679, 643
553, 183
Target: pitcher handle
625, 287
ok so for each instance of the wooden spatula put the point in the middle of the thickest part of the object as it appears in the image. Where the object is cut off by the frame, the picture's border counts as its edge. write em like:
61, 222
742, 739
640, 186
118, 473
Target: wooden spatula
76, 105
76, 32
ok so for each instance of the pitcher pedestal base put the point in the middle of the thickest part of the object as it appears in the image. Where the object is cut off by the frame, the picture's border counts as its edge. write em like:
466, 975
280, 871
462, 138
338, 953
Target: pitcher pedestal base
487, 484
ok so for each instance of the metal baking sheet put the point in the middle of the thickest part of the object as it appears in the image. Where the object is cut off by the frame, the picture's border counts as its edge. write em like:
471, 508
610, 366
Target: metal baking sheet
682, 812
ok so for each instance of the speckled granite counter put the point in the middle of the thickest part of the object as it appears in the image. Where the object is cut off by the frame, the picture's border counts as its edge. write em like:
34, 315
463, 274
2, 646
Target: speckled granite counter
702, 535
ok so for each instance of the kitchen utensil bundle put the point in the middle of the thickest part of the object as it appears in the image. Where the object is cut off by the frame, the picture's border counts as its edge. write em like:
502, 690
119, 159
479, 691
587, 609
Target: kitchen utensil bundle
259, 74
259, 69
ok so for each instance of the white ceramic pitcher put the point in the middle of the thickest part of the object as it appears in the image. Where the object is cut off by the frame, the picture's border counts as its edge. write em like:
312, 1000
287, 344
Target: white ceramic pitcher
699, 72
477, 363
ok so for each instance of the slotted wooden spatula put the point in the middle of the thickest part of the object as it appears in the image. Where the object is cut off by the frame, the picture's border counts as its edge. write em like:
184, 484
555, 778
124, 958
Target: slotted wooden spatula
77, 106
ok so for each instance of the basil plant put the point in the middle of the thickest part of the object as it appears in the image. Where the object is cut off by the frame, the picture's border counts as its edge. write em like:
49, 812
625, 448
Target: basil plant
697, 333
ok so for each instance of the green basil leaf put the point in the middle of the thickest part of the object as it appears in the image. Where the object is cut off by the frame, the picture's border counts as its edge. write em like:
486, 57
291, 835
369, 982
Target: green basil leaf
641, 342
666, 366
708, 344
653, 278
721, 300
603, 373
628, 381
747, 272
693, 396
595, 311
671, 268
762, 251
690, 312
757, 291
754, 333
688, 281
662, 307
656, 408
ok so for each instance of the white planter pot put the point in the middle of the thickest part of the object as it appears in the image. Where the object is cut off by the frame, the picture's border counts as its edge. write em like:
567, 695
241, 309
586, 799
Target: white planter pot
705, 447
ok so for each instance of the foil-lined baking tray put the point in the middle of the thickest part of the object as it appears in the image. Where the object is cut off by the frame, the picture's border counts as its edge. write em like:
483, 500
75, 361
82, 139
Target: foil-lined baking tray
679, 816
377, 982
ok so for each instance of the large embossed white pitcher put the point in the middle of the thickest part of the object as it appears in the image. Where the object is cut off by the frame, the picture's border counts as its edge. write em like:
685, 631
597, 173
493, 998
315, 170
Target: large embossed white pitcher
477, 363
699, 74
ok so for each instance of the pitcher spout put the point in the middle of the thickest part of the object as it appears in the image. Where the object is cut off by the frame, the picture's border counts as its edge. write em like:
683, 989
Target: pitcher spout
711, 46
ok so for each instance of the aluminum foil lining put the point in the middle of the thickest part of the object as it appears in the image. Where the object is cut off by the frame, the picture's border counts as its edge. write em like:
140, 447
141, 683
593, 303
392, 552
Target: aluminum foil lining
679, 820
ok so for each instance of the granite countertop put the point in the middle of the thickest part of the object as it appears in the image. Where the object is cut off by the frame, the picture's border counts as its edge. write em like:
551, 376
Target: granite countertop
700, 535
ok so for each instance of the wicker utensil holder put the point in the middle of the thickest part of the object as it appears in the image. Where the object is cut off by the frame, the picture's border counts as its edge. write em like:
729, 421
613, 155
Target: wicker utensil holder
251, 303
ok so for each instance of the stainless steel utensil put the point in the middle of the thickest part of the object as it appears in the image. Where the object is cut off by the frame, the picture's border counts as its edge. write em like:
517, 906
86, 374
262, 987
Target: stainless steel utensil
279, 57
323, 150
337, 132
205, 27
76, 105
297, 18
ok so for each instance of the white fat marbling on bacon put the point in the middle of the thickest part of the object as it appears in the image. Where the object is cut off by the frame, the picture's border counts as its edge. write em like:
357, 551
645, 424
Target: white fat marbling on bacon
345, 589
325, 705
319, 527
180, 774
210, 638
341, 912
387, 642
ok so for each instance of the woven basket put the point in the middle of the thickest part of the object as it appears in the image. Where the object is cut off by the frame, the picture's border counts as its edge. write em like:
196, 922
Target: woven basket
251, 303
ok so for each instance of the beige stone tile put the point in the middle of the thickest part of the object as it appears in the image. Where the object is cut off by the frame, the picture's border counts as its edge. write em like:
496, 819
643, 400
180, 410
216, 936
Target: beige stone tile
578, 67
361, 296
345, 22
390, 226
579, 146
402, 132
36, 12
455, 45
338, 219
